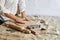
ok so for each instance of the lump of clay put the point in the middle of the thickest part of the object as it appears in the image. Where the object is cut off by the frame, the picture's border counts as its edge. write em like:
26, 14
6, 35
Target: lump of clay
33, 26
42, 21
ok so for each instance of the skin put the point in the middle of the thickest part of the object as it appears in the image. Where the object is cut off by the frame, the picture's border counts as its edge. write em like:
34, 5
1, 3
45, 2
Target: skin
17, 27
23, 14
15, 18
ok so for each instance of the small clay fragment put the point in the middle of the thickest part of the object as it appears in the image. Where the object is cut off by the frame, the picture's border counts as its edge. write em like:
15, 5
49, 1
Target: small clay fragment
42, 21
33, 32
11, 30
35, 16
33, 26
42, 29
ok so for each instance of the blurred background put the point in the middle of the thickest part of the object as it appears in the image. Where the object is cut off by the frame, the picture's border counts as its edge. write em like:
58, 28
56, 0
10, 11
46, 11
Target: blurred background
43, 7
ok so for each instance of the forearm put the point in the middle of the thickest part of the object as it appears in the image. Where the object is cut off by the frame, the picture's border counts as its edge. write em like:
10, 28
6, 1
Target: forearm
23, 14
11, 16
14, 26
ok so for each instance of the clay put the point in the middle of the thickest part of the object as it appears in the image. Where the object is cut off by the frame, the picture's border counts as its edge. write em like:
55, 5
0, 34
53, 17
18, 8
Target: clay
33, 26
29, 29
42, 29
42, 21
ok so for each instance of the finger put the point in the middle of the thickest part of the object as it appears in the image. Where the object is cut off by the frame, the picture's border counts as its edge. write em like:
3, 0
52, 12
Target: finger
21, 22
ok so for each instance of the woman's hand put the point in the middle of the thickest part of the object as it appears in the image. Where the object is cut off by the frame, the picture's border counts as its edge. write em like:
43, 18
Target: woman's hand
13, 17
20, 20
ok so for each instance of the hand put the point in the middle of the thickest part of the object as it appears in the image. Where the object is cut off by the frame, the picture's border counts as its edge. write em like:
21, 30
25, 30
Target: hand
26, 19
20, 20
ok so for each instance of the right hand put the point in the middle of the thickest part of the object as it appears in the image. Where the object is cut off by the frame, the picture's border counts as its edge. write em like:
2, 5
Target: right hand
20, 20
